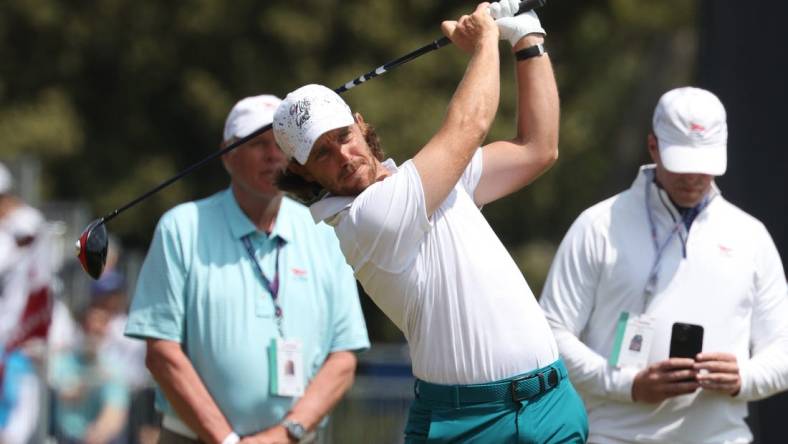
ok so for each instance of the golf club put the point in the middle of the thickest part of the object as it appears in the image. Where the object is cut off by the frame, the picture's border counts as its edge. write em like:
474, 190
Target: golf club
93, 242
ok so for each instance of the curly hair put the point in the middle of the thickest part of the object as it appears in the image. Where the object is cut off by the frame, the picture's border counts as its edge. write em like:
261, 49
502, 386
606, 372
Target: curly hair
309, 192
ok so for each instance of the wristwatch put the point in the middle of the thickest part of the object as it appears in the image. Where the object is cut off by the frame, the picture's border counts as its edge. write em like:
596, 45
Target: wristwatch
294, 429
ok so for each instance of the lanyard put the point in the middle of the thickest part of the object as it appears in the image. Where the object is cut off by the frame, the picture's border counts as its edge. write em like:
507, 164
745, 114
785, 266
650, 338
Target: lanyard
659, 247
271, 286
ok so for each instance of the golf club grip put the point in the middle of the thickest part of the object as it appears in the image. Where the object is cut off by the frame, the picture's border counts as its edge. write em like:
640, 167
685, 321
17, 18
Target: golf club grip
530, 5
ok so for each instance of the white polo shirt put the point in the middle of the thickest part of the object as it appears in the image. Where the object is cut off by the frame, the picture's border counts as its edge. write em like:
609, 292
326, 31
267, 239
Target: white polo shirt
447, 282
724, 274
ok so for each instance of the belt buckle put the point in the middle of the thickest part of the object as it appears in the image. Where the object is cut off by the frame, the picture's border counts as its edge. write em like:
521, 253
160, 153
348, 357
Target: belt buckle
553, 377
514, 382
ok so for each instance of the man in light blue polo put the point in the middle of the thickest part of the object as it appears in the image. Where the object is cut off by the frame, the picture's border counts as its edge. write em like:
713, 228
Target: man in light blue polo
250, 313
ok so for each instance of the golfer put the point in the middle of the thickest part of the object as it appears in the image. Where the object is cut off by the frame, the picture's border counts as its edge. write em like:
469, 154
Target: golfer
486, 363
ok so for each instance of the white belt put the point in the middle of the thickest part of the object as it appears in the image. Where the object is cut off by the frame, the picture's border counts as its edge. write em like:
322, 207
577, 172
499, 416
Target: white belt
175, 425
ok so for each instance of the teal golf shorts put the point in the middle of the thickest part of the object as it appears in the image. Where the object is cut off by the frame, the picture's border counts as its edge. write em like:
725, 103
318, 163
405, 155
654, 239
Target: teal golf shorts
541, 407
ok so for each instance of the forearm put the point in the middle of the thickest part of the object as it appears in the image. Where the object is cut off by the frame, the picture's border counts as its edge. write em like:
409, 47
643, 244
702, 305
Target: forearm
185, 391
538, 104
443, 159
475, 102
511, 164
590, 372
330, 383
766, 373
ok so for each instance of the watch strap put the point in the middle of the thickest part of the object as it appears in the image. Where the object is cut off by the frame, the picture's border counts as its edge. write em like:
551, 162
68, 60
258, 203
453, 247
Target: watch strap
529, 52
295, 429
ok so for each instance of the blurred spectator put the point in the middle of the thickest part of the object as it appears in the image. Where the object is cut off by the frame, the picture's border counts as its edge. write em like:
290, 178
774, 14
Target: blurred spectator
25, 269
19, 398
64, 332
634, 270
126, 354
91, 398
25, 310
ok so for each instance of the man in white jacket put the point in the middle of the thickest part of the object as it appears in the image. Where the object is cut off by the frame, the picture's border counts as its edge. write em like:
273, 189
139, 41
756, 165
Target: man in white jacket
635, 269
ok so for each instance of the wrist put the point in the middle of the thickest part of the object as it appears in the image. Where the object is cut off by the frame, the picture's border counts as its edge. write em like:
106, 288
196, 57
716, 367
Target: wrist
486, 43
530, 52
294, 429
527, 41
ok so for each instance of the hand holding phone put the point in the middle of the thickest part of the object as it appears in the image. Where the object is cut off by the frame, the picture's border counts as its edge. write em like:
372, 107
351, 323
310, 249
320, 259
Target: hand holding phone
718, 371
665, 379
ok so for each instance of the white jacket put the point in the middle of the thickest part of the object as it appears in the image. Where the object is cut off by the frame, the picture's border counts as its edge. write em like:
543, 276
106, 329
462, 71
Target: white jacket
724, 274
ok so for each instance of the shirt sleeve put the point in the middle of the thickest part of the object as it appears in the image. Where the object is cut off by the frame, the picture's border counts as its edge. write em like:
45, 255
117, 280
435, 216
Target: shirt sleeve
157, 309
473, 173
388, 221
568, 300
114, 393
766, 372
348, 326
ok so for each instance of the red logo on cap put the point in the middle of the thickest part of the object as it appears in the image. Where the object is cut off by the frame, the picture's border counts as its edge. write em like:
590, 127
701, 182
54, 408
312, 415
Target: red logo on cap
696, 127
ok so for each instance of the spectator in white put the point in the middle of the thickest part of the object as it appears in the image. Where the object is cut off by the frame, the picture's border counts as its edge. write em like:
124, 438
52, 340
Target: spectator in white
671, 250
20, 226
24, 302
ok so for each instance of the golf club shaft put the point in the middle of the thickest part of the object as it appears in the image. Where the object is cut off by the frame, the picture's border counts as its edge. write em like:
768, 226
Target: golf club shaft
525, 6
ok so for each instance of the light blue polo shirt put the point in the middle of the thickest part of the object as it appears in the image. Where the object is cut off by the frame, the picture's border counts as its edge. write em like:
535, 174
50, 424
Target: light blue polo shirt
99, 384
199, 287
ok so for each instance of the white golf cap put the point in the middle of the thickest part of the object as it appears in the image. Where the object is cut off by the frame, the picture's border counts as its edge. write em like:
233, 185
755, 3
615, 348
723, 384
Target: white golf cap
5, 179
306, 114
690, 126
250, 114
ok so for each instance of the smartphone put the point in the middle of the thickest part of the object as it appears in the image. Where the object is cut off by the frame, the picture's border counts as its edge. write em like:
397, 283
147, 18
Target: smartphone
686, 340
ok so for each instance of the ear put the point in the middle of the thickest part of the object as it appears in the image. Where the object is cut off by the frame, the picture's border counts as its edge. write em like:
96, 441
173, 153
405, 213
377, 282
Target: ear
653, 147
362, 124
225, 157
300, 170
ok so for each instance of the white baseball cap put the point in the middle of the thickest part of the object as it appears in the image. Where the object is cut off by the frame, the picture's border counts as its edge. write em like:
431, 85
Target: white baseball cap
306, 114
6, 180
690, 126
250, 114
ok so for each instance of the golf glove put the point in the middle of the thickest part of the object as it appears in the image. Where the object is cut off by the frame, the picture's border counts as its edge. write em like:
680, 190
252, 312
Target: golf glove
514, 27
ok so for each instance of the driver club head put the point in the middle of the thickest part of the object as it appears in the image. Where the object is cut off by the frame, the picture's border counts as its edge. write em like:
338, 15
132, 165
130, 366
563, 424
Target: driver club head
92, 248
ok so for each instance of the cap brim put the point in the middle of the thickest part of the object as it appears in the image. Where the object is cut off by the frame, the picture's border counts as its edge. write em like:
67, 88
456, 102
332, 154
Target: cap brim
319, 127
712, 160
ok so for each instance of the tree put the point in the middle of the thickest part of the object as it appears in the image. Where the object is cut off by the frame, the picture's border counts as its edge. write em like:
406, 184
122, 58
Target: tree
118, 95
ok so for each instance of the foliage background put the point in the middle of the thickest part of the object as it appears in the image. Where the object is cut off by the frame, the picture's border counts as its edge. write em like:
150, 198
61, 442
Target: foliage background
116, 96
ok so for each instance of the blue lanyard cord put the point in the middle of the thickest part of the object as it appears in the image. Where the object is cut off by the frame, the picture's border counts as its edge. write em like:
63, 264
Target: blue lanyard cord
659, 248
271, 285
